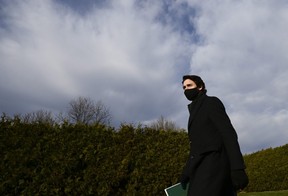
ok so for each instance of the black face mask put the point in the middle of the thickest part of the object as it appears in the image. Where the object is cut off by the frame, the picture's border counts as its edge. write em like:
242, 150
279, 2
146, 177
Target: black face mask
192, 93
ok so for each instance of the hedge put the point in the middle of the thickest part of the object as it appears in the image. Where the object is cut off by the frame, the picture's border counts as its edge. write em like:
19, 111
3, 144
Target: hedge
67, 159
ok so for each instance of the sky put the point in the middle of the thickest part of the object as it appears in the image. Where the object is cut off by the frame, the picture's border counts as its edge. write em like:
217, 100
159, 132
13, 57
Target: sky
131, 55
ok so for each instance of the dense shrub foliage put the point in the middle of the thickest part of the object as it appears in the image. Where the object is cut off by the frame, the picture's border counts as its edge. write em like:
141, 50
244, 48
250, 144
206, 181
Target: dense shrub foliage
51, 159
268, 169
44, 159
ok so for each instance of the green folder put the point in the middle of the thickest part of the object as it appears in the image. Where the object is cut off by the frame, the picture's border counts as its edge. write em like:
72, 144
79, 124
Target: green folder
176, 190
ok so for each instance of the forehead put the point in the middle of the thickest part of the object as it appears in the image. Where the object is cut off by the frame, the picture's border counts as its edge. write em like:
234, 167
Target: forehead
188, 81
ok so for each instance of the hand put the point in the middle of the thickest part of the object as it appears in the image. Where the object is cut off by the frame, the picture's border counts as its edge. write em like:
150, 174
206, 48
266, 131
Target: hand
239, 179
184, 181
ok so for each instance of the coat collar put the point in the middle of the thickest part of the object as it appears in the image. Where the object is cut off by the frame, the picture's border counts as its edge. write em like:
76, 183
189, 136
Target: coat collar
194, 108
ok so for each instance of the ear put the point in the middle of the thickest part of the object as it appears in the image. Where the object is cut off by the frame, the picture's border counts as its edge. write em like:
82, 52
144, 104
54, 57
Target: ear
200, 88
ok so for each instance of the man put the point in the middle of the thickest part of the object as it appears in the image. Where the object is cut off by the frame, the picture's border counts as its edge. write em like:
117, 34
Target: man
215, 166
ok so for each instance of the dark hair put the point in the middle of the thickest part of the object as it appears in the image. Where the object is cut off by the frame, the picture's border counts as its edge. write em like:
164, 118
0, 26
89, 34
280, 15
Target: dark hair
197, 79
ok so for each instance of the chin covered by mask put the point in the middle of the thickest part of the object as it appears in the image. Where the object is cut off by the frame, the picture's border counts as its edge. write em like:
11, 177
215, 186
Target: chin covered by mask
191, 94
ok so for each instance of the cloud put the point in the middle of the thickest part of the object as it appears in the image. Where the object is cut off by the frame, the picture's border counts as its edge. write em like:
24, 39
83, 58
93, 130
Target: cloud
131, 55
126, 54
242, 58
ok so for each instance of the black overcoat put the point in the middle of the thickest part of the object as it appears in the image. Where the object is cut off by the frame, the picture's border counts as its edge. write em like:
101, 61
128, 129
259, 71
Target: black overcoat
214, 149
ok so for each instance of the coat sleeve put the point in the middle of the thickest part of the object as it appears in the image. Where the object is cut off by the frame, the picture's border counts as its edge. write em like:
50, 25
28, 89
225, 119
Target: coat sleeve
223, 124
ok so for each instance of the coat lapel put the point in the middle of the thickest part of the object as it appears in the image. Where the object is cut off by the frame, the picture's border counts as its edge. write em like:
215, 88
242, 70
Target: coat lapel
194, 108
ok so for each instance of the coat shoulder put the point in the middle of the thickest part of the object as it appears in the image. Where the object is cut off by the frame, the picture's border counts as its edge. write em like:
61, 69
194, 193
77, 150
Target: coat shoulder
214, 102
213, 99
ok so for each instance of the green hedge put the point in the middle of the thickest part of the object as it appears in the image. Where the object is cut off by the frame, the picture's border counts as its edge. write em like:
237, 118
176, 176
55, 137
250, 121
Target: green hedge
268, 169
42, 159
45, 159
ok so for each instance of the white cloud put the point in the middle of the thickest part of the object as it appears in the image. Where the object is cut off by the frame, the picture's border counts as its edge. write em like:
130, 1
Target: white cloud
242, 58
131, 55
119, 53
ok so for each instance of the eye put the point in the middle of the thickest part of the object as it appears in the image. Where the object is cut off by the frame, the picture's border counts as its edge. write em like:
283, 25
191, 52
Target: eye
188, 85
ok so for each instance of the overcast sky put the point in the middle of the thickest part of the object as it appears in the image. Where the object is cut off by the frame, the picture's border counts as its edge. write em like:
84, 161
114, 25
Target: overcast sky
131, 55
